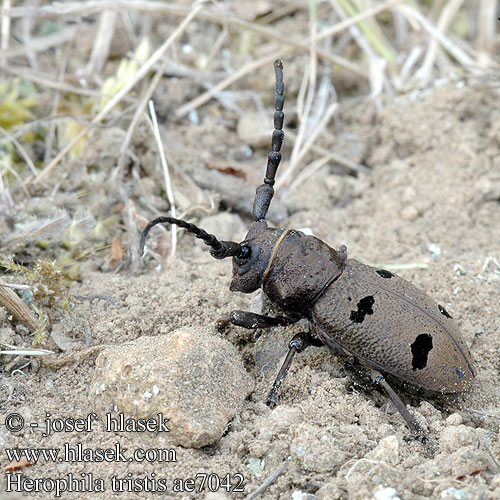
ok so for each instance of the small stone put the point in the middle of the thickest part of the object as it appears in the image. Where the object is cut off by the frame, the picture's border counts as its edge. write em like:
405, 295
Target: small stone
409, 193
495, 482
301, 495
252, 131
454, 419
454, 437
256, 466
193, 117
487, 189
194, 379
242, 153
454, 494
434, 249
6, 334
409, 213
457, 268
62, 341
216, 495
387, 451
386, 494
226, 226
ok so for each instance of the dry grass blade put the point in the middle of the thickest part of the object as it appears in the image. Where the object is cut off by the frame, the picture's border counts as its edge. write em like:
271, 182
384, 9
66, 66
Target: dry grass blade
5, 27
122, 93
21, 150
270, 480
372, 42
59, 9
304, 112
38, 227
459, 54
51, 130
20, 351
351, 21
206, 96
42, 43
5, 196
308, 171
424, 74
12, 301
100, 49
168, 184
487, 20
285, 179
283, 11
146, 96
15, 286
46, 81
4, 191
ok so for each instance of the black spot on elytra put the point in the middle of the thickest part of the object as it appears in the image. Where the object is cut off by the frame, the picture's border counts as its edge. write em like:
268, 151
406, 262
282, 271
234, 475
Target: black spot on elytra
349, 299
364, 308
444, 312
384, 273
420, 351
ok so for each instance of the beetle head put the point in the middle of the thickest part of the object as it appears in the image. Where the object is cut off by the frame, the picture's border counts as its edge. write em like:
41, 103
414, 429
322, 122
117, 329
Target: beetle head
252, 261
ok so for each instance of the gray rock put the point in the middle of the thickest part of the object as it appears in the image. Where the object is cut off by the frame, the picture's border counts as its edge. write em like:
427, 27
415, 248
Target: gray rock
252, 131
193, 378
225, 226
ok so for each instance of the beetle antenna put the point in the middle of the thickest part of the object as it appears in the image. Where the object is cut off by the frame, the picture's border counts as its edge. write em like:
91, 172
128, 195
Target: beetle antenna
264, 193
219, 249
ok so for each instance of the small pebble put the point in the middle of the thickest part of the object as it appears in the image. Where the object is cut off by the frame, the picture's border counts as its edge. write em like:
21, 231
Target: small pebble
193, 117
454, 419
227, 227
256, 466
387, 450
301, 495
409, 213
252, 131
457, 268
454, 494
435, 250
386, 494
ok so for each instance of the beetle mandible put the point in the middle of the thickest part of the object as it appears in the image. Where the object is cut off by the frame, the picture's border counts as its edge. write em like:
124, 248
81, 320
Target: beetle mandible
392, 329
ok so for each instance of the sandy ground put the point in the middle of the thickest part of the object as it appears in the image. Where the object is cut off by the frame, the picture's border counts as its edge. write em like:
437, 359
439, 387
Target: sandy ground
434, 185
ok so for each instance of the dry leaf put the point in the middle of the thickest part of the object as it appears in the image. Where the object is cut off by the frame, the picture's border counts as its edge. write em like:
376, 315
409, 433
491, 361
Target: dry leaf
12, 466
18, 308
116, 251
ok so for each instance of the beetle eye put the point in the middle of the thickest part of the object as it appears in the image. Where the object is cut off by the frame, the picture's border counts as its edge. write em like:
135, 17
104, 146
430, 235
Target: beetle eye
243, 255
246, 256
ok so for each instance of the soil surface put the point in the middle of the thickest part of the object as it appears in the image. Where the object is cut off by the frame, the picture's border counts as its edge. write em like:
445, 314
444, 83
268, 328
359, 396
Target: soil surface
428, 209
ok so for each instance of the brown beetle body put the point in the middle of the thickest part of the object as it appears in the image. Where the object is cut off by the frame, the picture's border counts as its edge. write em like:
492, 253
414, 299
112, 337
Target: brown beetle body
379, 318
385, 323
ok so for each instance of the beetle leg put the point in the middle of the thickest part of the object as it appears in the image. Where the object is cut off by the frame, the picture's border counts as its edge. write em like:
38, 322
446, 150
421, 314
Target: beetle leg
415, 428
248, 319
298, 343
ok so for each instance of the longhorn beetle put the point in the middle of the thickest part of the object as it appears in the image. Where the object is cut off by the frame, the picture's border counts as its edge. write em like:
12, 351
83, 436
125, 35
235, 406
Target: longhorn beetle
392, 329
